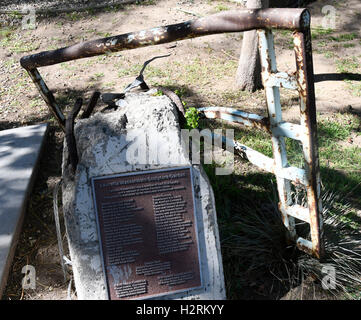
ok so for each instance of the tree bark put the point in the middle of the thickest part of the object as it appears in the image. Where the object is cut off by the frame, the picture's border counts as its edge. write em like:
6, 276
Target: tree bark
249, 67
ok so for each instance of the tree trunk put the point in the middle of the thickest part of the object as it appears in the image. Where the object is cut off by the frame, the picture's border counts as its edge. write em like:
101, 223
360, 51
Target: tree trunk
249, 67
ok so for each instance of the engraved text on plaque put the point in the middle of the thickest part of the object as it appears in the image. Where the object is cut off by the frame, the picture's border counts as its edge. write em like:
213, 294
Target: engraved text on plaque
148, 233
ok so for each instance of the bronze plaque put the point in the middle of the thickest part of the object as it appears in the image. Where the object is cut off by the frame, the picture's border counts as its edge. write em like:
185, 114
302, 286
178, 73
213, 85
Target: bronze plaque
148, 233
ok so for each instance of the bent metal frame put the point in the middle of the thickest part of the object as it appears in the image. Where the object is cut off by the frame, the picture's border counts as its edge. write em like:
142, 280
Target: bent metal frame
264, 20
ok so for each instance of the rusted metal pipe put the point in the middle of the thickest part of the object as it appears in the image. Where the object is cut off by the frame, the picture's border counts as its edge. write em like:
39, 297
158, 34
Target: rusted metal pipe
48, 96
230, 21
69, 134
91, 105
305, 80
238, 116
174, 97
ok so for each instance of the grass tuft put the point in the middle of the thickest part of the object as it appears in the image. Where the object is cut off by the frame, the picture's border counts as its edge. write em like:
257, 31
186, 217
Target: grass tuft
342, 246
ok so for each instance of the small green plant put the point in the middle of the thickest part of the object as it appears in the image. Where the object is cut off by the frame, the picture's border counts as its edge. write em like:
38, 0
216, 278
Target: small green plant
133, 69
98, 75
348, 45
347, 65
192, 117
36, 102
355, 87
329, 54
15, 15
285, 33
9, 63
109, 85
158, 93
146, 2
322, 43
344, 37
221, 7
103, 34
113, 8
180, 92
73, 16
14, 42
5, 33
318, 32
333, 130
67, 66
91, 11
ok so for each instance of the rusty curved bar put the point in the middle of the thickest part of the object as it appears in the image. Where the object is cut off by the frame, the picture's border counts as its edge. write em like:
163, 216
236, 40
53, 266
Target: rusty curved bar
230, 21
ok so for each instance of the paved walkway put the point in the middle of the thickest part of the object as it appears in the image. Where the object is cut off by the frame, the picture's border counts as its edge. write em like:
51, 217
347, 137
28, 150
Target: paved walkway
19, 153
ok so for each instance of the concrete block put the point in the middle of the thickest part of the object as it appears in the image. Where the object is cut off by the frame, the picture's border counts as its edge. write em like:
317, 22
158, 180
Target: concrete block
20, 150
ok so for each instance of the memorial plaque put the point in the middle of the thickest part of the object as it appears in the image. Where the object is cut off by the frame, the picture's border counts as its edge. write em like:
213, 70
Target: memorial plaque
148, 233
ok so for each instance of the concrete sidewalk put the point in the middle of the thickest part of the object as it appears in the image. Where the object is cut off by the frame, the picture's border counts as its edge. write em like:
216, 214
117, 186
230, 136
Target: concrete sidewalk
20, 151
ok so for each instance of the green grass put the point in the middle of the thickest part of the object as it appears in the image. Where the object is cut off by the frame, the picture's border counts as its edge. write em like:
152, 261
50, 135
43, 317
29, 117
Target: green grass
335, 128
103, 34
174, 74
14, 43
146, 2
124, 71
8, 63
329, 44
319, 32
97, 76
255, 139
36, 102
349, 45
221, 7
5, 32
73, 16
15, 15
354, 87
283, 38
339, 161
198, 70
344, 37
329, 54
350, 64
241, 196
67, 66
110, 85
347, 65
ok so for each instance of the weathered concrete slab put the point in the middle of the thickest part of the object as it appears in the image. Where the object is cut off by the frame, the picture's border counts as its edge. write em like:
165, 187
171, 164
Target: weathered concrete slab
125, 141
20, 150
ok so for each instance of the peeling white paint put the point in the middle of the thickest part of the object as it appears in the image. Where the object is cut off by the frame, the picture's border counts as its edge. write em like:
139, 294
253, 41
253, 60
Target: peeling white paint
130, 38
100, 152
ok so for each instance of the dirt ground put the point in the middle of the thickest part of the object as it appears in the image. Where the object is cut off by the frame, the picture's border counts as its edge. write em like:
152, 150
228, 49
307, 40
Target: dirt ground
203, 68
